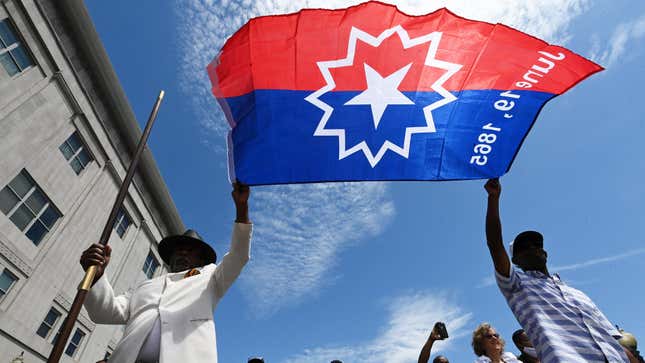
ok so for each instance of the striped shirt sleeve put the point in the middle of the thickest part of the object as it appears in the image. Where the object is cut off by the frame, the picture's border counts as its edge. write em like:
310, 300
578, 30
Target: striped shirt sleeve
508, 284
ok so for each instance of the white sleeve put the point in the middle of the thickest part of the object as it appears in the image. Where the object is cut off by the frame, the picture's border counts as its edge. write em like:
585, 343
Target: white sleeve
510, 357
238, 255
105, 308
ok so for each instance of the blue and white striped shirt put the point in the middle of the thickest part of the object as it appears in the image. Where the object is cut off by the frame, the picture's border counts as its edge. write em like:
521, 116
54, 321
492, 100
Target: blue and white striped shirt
563, 323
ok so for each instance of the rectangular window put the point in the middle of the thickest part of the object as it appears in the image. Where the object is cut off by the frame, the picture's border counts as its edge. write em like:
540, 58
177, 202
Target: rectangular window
28, 207
75, 153
7, 279
14, 57
150, 266
122, 223
60, 329
50, 320
75, 342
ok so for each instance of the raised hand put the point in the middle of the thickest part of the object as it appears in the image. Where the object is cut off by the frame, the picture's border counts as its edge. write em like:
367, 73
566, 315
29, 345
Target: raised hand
96, 255
434, 335
240, 194
493, 187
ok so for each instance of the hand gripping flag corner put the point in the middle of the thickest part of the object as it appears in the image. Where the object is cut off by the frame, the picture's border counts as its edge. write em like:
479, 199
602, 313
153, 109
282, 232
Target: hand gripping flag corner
370, 93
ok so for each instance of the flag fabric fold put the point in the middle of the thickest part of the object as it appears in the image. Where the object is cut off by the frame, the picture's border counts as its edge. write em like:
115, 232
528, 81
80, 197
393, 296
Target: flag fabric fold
371, 93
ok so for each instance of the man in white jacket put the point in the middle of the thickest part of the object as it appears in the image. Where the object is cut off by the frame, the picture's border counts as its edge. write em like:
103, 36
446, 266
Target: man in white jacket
170, 318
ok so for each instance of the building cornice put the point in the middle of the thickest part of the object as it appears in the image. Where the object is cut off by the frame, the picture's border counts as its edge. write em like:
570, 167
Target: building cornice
90, 46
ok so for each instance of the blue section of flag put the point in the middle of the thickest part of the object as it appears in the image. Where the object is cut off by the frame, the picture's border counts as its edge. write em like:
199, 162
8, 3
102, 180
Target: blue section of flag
281, 147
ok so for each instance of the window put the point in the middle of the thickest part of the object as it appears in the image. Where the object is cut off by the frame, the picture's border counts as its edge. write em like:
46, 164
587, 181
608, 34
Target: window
75, 342
49, 322
122, 223
150, 266
75, 152
60, 329
7, 279
13, 55
28, 207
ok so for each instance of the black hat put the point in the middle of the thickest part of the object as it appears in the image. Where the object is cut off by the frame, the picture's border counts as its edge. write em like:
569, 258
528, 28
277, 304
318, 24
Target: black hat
523, 238
168, 245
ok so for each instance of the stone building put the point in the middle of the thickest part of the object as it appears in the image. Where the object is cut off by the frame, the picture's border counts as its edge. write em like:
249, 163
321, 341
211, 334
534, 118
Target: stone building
66, 136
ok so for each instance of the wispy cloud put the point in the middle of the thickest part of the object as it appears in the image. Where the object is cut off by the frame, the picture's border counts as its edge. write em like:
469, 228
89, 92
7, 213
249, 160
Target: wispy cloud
486, 281
597, 261
410, 318
489, 281
301, 229
607, 54
299, 232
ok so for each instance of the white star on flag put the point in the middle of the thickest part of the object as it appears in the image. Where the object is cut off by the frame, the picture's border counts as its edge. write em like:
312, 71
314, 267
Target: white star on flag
382, 92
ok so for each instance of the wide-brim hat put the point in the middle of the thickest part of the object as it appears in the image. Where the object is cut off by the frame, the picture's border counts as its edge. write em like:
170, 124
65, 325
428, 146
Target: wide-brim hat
168, 245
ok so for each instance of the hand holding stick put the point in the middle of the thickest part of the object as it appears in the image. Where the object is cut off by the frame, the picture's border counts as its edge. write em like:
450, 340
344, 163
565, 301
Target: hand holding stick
94, 271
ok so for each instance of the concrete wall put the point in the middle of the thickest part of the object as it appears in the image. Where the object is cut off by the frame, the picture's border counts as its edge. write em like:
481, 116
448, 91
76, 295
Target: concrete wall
39, 109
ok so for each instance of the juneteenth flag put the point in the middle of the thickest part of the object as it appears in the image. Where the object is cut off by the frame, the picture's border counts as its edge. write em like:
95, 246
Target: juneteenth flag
371, 93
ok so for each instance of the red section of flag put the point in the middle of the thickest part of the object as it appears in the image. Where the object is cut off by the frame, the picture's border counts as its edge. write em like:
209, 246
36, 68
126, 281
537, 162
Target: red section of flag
282, 52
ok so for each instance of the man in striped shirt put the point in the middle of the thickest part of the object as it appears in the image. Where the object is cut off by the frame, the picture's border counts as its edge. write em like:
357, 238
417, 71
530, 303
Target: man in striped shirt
563, 323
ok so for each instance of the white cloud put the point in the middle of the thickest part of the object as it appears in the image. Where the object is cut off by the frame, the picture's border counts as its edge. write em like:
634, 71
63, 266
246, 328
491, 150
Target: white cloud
597, 261
623, 34
489, 281
299, 232
486, 282
302, 229
410, 319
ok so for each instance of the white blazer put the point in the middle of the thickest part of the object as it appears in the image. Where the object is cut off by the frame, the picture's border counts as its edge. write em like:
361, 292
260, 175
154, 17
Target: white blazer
184, 306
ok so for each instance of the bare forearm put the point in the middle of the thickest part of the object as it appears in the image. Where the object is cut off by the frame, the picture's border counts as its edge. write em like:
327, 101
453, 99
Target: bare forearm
424, 356
494, 237
493, 223
240, 194
242, 213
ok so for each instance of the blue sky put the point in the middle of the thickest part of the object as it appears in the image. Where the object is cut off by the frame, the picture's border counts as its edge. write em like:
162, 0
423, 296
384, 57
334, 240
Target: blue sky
361, 271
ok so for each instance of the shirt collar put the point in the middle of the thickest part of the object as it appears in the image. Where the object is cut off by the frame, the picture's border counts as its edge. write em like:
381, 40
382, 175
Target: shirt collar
542, 275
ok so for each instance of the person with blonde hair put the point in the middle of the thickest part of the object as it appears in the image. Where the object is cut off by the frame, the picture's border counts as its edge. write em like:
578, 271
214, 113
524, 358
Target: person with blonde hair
489, 346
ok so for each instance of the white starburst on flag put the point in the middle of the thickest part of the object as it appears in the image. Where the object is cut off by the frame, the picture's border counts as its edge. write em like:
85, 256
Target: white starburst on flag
382, 91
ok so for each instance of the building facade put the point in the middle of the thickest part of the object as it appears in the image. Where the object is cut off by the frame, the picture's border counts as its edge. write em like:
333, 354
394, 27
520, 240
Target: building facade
66, 136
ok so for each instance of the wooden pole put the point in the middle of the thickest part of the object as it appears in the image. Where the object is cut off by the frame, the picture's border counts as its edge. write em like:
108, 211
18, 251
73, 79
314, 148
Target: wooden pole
90, 273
